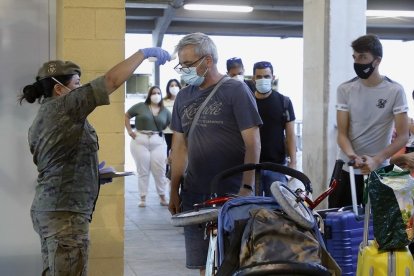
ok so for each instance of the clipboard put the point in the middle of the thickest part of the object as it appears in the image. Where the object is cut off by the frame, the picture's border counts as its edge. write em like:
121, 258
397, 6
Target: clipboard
110, 172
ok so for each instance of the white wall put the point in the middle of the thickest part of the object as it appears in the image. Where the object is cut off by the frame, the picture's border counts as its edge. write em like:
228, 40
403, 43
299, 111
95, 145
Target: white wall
24, 46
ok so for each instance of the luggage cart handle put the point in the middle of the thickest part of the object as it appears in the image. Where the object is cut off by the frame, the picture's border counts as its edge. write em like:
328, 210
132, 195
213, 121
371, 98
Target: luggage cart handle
262, 166
332, 185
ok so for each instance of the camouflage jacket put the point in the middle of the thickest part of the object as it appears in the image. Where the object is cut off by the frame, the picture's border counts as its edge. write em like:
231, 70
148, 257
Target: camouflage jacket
64, 147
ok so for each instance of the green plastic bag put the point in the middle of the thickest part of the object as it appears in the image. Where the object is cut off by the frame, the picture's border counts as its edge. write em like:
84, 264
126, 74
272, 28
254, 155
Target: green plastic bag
391, 195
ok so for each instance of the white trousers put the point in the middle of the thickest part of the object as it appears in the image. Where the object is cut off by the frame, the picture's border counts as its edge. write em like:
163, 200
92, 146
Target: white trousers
150, 154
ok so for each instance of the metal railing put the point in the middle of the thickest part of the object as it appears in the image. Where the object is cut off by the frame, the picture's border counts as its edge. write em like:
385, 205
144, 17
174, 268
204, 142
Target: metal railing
298, 132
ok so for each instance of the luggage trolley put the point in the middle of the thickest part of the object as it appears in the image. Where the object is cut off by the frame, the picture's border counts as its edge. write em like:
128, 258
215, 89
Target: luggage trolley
212, 210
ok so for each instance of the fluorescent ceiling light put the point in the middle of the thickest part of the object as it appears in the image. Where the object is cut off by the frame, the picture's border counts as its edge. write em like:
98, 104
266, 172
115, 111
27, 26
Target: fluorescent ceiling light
384, 13
218, 8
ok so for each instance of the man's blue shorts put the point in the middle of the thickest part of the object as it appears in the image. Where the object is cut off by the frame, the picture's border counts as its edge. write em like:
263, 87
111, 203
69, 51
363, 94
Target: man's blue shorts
196, 245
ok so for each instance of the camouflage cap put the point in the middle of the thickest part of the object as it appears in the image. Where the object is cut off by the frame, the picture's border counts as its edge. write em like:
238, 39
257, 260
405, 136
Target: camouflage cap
55, 68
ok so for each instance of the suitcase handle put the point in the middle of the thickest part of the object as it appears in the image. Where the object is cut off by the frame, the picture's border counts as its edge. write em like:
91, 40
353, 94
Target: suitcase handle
351, 164
354, 203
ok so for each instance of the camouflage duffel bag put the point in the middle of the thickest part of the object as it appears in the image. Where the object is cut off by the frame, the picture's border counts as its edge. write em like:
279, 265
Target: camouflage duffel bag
273, 243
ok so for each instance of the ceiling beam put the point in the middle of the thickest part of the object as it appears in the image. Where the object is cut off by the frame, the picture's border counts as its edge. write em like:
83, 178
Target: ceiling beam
261, 17
143, 13
162, 23
269, 18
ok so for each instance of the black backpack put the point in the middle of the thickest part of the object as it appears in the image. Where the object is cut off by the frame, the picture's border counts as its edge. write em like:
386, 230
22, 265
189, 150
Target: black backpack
286, 113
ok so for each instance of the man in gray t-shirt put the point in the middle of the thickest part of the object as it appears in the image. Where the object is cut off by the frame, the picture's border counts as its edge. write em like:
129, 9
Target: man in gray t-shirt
368, 108
225, 135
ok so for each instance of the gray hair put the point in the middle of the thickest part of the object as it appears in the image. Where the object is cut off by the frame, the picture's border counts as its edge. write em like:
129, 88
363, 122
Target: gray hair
203, 45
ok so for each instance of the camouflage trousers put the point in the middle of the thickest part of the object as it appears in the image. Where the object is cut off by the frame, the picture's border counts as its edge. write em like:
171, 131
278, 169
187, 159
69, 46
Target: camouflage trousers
65, 240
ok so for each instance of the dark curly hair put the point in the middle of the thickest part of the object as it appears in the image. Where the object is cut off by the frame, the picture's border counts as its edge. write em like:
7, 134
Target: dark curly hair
369, 43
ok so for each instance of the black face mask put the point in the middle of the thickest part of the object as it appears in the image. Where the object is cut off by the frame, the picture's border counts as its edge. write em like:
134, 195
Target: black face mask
364, 70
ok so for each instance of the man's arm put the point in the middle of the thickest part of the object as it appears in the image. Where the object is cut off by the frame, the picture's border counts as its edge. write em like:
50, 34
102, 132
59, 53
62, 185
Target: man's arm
178, 166
251, 138
291, 143
342, 121
405, 161
401, 128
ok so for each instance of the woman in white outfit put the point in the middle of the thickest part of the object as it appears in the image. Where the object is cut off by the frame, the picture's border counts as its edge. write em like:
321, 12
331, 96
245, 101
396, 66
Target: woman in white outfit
148, 147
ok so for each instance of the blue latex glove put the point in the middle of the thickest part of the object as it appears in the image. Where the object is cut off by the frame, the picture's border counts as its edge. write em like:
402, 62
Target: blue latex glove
157, 52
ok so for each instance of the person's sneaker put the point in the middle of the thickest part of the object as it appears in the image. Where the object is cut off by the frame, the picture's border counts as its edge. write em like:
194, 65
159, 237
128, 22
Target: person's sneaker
163, 202
142, 204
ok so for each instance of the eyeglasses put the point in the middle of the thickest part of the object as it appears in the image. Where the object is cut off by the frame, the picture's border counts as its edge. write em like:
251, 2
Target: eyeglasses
180, 69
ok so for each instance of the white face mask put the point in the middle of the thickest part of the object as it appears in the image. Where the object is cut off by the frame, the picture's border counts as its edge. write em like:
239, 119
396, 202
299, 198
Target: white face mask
174, 90
155, 98
263, 86
238, 77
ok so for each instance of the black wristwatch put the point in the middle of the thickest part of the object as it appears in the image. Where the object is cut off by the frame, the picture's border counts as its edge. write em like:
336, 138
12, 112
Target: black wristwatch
248, 187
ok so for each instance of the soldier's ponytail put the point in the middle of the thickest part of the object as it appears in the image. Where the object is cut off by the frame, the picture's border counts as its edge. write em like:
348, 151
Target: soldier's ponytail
32, 92
42, 89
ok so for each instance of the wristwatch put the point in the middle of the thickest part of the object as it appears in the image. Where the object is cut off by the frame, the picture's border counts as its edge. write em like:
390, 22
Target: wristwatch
247, 187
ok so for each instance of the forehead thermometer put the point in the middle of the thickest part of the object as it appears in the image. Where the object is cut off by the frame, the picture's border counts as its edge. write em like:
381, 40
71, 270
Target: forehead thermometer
154, 59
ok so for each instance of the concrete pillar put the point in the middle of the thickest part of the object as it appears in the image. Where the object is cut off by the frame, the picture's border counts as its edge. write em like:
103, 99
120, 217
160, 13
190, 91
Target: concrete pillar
91, 33
329, 27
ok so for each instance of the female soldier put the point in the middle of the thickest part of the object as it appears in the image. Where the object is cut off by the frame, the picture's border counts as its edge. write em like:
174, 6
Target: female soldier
64, 147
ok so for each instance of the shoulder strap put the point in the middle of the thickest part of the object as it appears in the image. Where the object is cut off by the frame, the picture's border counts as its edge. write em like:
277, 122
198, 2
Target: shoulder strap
286, 114
153, 117
200, 109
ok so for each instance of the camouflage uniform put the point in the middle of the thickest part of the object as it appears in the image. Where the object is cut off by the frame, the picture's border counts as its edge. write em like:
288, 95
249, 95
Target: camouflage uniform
64, 240
64, 147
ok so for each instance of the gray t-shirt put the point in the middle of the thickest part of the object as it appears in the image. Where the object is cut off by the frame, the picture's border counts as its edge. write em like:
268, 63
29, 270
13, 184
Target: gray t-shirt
216, 143
371, 114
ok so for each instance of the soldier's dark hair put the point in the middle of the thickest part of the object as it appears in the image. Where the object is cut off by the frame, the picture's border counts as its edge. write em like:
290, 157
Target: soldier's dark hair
42, 88
368, 43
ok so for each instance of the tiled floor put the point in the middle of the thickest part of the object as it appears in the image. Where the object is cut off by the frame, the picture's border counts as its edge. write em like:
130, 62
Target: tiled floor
152, 245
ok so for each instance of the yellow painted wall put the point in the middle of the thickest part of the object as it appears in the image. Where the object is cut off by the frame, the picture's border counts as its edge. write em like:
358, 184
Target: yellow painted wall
91, 33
